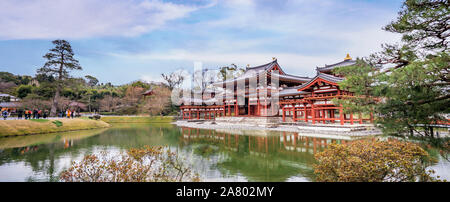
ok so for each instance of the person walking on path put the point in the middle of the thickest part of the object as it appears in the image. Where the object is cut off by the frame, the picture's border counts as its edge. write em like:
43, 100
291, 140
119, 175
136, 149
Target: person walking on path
39, 114
45, 114
34, 113
19, 114
5, 114
68, 113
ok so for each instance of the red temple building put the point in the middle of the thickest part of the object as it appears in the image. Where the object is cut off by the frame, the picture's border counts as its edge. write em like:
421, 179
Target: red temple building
298, 99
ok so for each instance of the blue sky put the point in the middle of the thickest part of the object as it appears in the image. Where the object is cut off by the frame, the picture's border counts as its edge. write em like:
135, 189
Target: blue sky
120, 41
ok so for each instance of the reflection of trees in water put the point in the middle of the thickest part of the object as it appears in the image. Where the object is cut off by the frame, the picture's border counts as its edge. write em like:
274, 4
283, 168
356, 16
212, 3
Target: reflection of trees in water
43, 160
274, 157
259, 158
43, 153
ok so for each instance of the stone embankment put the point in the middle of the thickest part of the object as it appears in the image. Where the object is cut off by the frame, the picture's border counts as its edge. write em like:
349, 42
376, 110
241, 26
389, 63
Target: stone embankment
252, 126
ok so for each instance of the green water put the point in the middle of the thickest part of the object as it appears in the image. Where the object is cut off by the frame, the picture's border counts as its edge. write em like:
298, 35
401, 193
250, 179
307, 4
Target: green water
215, 155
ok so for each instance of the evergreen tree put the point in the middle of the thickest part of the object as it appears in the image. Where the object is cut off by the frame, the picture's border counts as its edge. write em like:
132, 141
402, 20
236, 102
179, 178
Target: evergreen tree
414, 85
60, 62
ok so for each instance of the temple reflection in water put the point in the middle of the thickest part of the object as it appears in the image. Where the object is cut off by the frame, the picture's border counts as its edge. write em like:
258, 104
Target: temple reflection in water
259, 155
274, 141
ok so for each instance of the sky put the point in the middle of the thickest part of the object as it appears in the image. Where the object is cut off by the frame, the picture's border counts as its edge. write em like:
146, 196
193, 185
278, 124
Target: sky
120, 41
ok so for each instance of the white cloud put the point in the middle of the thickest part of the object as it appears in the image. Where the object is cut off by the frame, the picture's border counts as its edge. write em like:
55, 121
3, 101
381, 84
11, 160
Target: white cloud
291, 62
43, 19
352, 29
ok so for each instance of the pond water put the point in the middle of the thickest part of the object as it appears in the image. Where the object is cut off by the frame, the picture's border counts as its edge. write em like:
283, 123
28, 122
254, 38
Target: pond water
217, 155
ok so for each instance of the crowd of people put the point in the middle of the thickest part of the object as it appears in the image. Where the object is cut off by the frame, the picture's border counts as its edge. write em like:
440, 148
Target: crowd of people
32, 114
68, 114
37, 114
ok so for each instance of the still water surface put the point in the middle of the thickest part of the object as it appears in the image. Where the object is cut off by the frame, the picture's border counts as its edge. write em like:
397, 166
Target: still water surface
216, 155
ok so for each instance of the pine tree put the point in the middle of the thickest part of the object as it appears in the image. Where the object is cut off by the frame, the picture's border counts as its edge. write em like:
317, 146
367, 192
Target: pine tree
60, 62
414, 89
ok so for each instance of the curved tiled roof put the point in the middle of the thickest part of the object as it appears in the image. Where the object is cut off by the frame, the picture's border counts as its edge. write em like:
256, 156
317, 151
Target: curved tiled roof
264, 66
323, 76
255, 71
290, 91
328, 68
292, 77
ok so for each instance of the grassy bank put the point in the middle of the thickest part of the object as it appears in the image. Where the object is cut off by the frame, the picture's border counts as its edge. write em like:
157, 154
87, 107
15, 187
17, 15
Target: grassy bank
137, 119
41, 126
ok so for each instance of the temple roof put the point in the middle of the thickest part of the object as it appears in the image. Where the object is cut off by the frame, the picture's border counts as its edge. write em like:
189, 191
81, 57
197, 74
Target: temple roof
290, 91
264, 67
327, 77
327, 68
251, 72
293, 77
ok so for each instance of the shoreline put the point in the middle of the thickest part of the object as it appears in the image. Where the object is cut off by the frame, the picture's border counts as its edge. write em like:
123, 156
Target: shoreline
326, 132
137, 119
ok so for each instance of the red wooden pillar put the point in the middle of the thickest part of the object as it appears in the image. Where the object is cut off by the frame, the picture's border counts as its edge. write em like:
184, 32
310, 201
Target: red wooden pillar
371, 117
294, 113
351, 118
324, 114
332, 115
313, 113
360, 118
236, 109
190, 115
284, 114
257, 107
305, 112
341, 115
224, 110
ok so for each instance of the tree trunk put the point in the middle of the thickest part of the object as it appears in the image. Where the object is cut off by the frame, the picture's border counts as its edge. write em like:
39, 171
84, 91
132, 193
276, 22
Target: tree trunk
55, 102
90, 110
58, 88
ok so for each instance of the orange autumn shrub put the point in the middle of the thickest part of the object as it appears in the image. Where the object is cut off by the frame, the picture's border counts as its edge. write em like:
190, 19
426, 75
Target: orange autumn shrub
149, 164
373, 161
